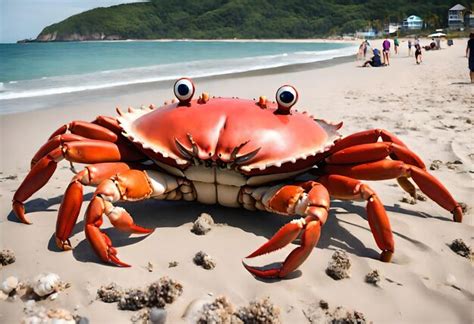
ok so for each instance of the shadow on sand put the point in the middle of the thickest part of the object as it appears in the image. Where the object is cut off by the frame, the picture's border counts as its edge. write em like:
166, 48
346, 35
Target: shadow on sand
160, 214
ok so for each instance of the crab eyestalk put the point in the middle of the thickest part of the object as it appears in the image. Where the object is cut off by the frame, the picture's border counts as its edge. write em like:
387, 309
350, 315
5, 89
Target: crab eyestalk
286, 97
184, 90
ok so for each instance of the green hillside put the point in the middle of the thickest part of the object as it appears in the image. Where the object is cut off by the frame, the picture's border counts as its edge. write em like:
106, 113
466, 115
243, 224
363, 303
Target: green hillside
243, 18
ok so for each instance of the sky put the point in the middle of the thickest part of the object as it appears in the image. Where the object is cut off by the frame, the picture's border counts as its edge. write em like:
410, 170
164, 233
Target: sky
20, 19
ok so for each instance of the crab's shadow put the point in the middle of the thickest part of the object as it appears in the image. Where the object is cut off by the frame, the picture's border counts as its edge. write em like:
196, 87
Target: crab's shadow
161, 214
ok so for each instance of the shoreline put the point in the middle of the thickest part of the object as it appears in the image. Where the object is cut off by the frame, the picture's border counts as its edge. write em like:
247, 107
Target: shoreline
147, 85
270, 40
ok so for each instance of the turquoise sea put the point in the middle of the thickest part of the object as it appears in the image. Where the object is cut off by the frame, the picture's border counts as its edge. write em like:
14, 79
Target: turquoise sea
41, 69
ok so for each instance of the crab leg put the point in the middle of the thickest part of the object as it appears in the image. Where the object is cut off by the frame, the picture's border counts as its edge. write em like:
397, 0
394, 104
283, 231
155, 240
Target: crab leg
130, 185
372, 136
309, 199
53, 143
109, 123
90, 151
341, 187
70, 207
389, 169
372, 152
86, 129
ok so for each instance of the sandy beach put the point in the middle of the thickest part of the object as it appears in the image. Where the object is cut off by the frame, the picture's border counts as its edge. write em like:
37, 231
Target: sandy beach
429, 106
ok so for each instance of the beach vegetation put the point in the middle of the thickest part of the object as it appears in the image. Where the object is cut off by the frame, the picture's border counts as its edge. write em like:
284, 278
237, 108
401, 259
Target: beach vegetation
206, 19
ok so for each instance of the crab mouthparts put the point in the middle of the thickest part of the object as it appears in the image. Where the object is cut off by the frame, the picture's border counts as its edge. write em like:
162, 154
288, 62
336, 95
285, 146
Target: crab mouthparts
235, 160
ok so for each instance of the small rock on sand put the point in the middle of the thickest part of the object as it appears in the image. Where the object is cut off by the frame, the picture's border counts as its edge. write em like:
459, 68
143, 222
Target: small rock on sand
133, 299
203, 224
321, 314
259, 311
110, 293
204, 260
373, 277
338, 268
7, 257
172, 264
221, 310
39, 314
461, 248
158, 294
164, 291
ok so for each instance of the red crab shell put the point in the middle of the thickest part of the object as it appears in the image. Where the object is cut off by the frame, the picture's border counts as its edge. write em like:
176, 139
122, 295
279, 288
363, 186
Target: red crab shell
285, 143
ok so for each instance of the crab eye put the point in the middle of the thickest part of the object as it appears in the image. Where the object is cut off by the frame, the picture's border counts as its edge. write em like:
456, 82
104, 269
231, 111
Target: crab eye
286, 96
184, 90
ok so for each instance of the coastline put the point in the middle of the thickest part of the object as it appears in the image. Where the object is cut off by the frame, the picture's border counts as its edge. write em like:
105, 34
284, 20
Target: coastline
429, 106
52, 100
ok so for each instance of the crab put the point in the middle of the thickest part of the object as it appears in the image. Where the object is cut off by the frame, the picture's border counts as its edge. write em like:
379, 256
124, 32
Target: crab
255, 154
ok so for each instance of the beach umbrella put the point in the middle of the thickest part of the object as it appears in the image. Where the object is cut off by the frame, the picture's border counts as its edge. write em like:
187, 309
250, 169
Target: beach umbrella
437, 35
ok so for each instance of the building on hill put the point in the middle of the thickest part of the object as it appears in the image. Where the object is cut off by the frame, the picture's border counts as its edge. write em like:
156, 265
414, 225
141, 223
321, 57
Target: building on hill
456, 17
469, 19
412, 23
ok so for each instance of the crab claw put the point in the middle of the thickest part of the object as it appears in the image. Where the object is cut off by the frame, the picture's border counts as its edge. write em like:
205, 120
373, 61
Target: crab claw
311, 230
102, 246
101, 243
261, 273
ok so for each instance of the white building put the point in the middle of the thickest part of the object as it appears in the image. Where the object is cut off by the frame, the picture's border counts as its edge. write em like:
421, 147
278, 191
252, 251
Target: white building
456, 16
413, 22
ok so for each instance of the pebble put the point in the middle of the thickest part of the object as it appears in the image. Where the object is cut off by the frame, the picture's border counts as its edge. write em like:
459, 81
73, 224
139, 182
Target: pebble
9, 284
203, 224
7, 257
157, 315
373, 277
45, 284
339, 267
204, 260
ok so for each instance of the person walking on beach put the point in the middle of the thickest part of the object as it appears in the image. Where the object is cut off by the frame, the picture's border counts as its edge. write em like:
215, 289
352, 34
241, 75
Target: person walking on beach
418, 53
386, 51
395, 45
409, 47
470, 55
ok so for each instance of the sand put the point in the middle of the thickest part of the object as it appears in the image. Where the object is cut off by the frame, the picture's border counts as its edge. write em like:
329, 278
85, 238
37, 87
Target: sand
429, 106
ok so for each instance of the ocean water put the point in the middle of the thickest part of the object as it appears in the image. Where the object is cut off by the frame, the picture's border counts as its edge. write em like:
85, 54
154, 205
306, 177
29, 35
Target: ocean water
42, 69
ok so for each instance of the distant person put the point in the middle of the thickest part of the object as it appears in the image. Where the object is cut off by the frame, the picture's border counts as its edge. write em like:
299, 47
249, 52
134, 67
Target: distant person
438, 43
418, 57
417, 41
470, 55
386, 51
362, 50
375, 61
395, 45
366, 47
409, 47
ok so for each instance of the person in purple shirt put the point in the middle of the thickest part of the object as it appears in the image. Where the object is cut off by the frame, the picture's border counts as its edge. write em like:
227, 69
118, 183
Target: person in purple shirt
386, 51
